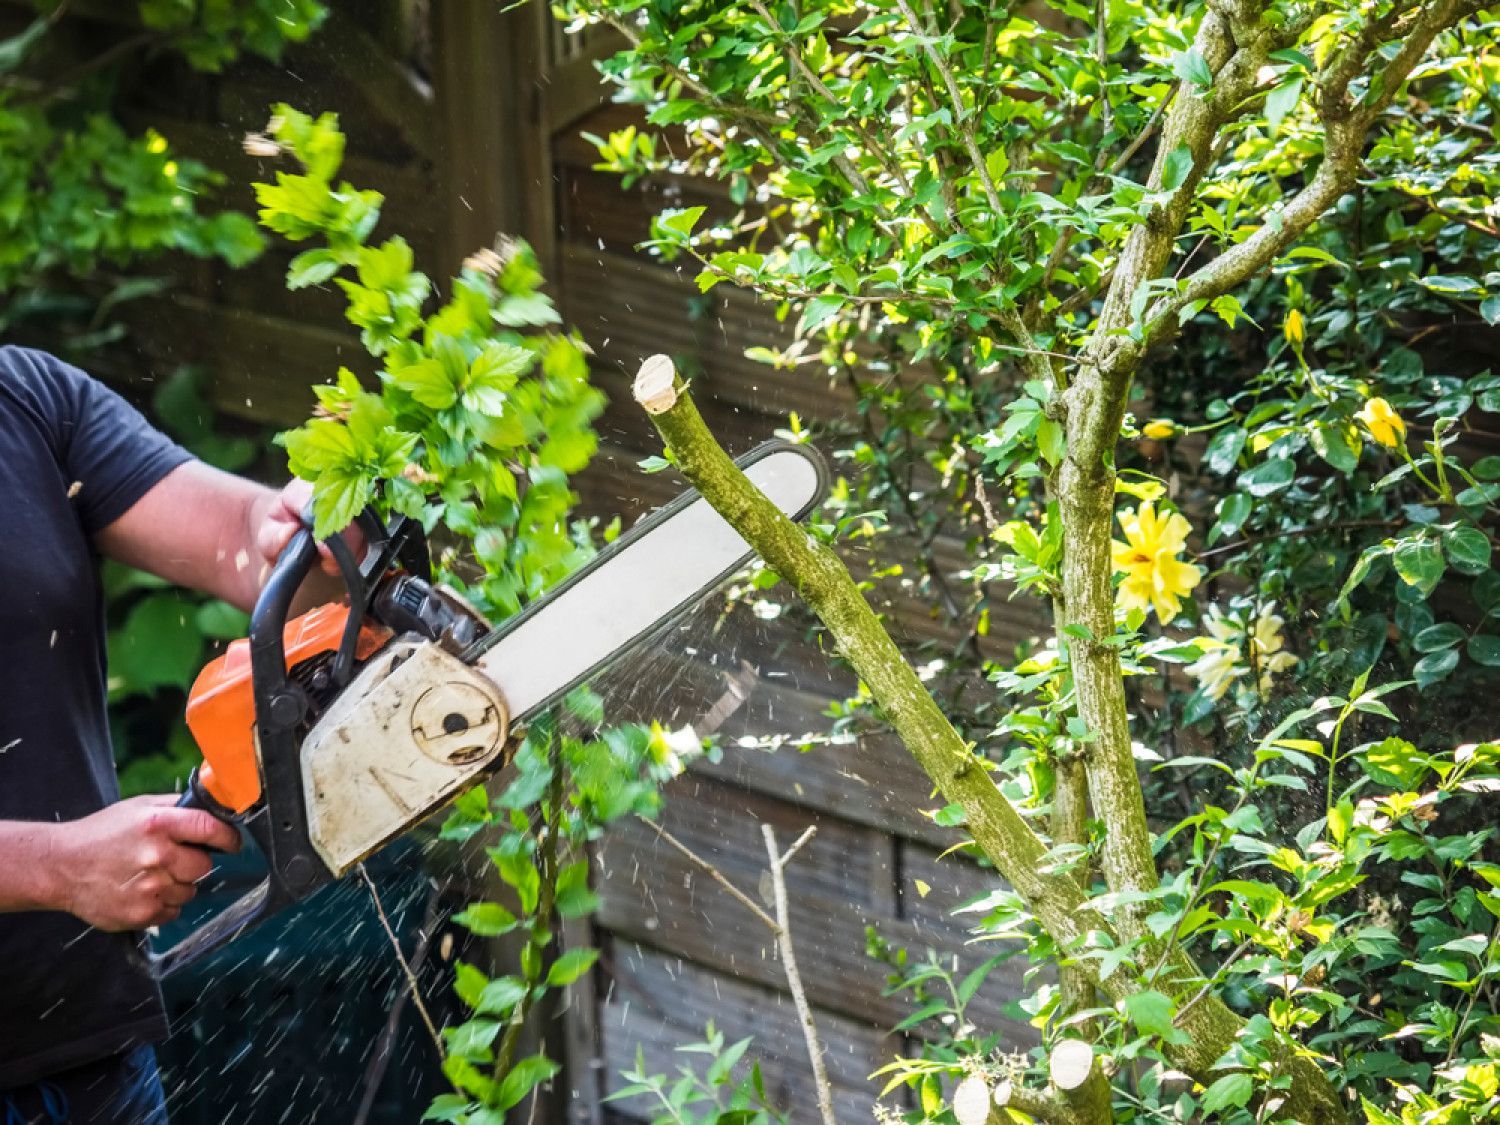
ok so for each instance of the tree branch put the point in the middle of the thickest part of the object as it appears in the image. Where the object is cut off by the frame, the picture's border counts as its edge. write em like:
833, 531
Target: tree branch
793, 974
1344, 137
966, 132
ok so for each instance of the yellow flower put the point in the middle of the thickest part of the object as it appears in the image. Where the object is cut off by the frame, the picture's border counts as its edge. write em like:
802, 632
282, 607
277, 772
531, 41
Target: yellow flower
1155, 578
1293, 328
1384, 424
1160, 429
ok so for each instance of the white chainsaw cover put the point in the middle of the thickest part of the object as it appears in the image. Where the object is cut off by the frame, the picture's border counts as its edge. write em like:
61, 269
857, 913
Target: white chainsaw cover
415, 728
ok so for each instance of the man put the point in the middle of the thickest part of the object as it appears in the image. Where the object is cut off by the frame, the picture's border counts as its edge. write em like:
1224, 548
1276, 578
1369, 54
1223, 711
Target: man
82, 873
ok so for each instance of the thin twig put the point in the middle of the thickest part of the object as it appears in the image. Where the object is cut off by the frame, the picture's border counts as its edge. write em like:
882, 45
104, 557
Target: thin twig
411, 977
1297, 533
380, 1058
1213, 981
793, 975
744, 900
1101, 58
786, 856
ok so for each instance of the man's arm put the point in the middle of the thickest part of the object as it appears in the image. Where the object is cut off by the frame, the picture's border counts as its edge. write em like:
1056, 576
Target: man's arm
215, 532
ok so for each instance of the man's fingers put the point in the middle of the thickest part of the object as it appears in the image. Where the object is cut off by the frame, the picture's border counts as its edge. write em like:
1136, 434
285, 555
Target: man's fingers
275, 532
177, 896
194, 826
188, 864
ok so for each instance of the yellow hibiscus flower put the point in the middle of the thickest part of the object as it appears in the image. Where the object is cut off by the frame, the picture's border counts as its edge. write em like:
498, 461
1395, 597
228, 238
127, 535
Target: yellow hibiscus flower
1155, 577
1384, 424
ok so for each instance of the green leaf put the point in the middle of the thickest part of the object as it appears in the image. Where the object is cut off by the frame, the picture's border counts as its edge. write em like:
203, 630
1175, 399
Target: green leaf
1179, 164
1484, 648
1151, 1011
1468, 549
1451, 285
1224, 450
486, 919
429, 382
1282, 100
574, 898
320, 445
1489, 308
1234, 510
1228, 1092
499, 996
525, 1076
1395, 763
1377, 1116
472, 1040
469, 983
1269, 477
311, 267
222, 621
338, 497
448, 1107
1339, 444
1419, 562
159, 645
500, 364
520, 873
679, 221
1051, 440
1190, 66
1435, 638
571, 965
820, 310
1435, 667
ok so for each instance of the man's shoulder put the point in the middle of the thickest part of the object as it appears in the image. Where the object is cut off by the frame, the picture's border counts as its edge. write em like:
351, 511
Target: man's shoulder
38, 381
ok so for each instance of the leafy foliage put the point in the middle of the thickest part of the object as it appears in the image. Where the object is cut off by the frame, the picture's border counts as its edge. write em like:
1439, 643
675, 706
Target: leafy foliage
482, 411
80, 194
714, 1097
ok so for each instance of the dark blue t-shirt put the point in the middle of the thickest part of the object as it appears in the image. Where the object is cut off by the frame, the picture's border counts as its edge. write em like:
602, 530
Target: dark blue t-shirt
74, 457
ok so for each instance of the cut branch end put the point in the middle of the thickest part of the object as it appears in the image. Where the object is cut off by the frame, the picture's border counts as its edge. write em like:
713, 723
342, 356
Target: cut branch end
656, 384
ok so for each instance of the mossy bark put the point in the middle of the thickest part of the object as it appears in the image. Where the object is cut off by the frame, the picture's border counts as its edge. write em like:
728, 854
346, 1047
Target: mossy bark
817, 575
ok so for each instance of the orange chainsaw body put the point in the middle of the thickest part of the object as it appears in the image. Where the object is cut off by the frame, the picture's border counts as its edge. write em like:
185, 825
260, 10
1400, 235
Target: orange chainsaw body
221, 706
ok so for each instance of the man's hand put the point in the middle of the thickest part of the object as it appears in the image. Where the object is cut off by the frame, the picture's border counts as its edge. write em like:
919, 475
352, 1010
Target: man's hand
282, 518
136, 863
215, 532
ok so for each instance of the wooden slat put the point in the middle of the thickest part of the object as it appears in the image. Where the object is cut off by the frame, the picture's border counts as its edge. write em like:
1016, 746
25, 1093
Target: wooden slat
658, 1003
396, 92
655, 896
259, 368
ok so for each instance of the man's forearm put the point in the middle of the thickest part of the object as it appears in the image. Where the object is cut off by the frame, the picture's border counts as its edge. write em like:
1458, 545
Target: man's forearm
29, 876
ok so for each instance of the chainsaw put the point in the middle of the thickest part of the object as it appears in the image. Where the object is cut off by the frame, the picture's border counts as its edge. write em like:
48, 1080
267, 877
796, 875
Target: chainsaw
328, 736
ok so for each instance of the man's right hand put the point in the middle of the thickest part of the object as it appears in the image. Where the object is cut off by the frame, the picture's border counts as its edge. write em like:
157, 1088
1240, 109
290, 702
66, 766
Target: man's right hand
136, 863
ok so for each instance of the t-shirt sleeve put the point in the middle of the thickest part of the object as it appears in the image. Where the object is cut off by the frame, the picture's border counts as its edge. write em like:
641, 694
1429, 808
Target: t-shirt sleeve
110, 455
